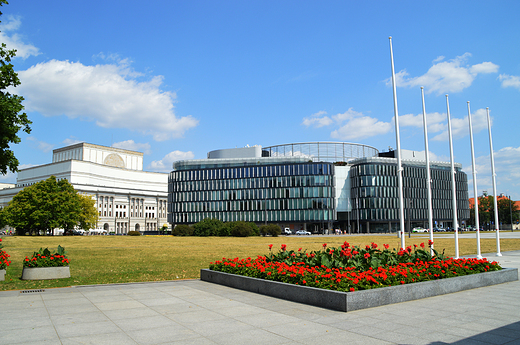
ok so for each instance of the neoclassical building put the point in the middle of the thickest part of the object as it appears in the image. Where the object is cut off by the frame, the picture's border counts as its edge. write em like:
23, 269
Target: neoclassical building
127, 198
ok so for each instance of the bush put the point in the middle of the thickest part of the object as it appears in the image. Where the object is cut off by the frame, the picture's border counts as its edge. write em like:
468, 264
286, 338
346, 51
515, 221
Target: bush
182, 230
207, 227
271, 229
241, 229
134, 233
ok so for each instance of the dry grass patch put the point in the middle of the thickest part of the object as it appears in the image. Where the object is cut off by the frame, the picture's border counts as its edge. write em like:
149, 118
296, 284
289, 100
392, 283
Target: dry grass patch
122, 259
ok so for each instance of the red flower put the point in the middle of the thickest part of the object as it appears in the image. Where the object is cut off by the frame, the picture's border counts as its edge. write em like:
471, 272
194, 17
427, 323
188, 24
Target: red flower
430, 243
386, 246
270, 246
352, 289
324, 245
299, 249
367, 255
374, 246
284, 247
402, 282
422, 245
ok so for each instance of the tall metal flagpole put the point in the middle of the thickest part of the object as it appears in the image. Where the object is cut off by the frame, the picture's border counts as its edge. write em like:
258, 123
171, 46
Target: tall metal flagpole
453, 185
477, 224
493, 176
398, 150
428, 177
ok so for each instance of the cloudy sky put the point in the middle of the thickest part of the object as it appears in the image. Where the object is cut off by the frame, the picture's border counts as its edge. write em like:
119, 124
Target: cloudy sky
176, 79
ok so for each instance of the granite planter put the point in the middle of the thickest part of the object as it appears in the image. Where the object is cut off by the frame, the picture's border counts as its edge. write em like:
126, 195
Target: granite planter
2, 275
349, 301
41, 273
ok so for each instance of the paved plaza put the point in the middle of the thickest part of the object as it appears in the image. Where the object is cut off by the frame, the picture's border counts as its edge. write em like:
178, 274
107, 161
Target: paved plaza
197, 312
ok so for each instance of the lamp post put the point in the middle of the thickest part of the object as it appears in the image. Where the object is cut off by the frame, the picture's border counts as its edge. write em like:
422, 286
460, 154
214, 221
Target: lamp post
511, 212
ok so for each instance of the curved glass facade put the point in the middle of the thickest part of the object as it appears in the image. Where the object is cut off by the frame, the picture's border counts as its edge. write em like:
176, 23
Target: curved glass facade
278, 193
322, 151
375, 193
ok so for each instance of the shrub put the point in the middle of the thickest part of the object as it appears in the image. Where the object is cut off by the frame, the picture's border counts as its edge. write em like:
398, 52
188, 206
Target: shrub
182, 230
134, 233
241, 229
207, 227
271, 229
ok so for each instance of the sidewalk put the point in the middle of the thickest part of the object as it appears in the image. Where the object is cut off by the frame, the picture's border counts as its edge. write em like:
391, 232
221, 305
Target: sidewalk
196, 312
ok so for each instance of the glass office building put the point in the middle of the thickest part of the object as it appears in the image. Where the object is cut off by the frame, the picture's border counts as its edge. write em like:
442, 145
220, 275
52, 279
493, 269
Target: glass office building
375, 194
260, 190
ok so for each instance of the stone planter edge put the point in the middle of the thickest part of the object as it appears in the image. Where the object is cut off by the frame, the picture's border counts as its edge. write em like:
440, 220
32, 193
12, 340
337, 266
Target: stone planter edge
2, 274
43, 273
343, 301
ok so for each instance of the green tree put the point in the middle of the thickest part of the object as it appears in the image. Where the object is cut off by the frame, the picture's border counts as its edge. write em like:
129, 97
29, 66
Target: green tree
47, 205
89, 214
12, 119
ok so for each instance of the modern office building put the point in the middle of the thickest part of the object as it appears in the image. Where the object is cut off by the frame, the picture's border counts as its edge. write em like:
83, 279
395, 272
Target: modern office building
127, 198
312, 186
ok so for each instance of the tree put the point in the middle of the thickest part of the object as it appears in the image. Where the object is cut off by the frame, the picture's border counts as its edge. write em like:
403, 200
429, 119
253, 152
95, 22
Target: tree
89, 214
46, 205
486, 211
11, 117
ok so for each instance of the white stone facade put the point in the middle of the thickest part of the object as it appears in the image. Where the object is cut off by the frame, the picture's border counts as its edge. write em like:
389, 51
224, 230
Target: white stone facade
127, 198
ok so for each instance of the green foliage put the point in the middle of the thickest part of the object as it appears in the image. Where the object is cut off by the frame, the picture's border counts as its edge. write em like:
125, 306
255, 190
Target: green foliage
89, 217
47, 205
134, 233
486, 211
353, 256
242, 229
182, 230
12, 119
207, 227
271, 229
44, 258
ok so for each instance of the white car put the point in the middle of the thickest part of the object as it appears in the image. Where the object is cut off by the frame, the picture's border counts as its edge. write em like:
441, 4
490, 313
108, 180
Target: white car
302, 232
419, 230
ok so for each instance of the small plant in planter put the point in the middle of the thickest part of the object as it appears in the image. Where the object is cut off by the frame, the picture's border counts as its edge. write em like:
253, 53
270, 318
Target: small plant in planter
4, 261
44, 258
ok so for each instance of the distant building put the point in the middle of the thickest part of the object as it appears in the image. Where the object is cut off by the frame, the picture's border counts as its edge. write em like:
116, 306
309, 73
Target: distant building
127, 198
312, 186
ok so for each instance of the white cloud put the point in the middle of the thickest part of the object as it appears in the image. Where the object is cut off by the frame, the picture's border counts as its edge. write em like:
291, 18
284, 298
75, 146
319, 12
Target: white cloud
317, 120
360, 126
446, 76
353, 124
510, 80
41, 145
14, 41
133, 146
460, 127
72, 141
165, 164
108, 94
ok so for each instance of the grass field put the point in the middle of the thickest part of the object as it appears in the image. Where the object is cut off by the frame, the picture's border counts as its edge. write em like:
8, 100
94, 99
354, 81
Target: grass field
122, 259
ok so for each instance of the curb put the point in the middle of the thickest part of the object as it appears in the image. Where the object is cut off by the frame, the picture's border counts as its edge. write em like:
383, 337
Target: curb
343, 301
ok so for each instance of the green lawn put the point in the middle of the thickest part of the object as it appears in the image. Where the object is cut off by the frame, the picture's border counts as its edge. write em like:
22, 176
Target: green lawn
122, 259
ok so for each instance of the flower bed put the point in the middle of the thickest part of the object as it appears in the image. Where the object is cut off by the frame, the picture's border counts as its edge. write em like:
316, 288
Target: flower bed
44, 258
351, 278
351, 269
4, 261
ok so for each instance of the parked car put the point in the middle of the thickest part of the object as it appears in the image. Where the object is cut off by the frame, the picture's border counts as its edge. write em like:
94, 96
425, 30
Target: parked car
287, 231
419, 229
302, 232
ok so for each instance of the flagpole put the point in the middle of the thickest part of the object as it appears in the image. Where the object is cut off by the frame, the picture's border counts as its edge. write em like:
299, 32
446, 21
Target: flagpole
477, 224
493, 176
453, 184
398, 150
428, 177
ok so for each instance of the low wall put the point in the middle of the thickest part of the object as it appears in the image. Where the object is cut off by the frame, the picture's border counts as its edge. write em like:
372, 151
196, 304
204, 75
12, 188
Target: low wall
349, 301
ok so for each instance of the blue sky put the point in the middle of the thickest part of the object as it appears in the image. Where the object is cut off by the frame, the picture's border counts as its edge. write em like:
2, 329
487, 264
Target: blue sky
176, 79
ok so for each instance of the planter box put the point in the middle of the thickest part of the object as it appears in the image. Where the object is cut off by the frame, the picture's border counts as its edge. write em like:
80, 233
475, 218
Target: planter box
349, 301
2, 275
41, 273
